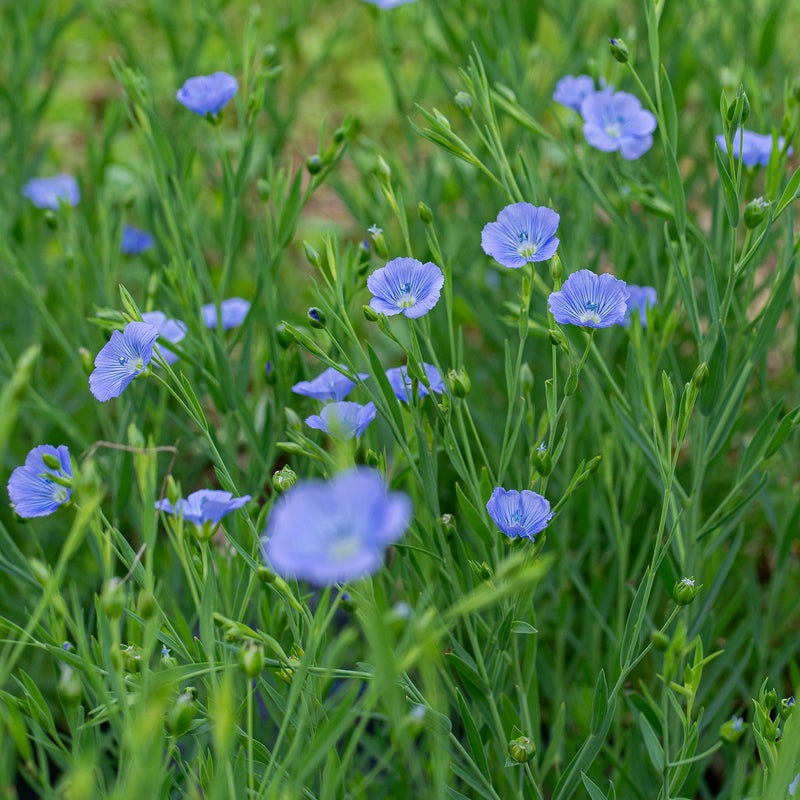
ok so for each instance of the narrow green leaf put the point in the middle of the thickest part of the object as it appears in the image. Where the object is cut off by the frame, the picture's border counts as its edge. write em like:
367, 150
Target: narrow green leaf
670, 110
599, 702
630, 637
473, 737
729, 193
654, 748
595, 793
520, 626
711, 393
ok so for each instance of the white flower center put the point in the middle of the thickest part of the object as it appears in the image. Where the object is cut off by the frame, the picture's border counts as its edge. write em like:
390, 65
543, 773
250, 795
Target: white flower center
132, 365
613, 130
590, 315
526, 248
407, 298
345, 548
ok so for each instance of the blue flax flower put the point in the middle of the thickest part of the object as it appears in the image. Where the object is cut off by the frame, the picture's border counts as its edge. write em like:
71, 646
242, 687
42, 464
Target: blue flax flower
405, 286
571, 90
135, 241
208, 94
756, 147
173, 330
596, 301
329, 385
204, 509
516, 513
616, 121
233, 311
337, 531
343, 420
793, 785
400, 381
523, 233
33, 490
385, 4
50, 192
124, 357
640, 298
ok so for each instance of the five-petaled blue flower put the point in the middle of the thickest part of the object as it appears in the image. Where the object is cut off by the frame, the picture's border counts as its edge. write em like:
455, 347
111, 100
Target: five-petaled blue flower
172, 330
124, 357
400, 381
329, 385
326, 533
405, 286
596, 301
204, 508
524, 513
135, 241
38, 488
571, 90
51, 192
233, 311
523, 233
616, 121
640, 298
208, 94
756, 147
343, 420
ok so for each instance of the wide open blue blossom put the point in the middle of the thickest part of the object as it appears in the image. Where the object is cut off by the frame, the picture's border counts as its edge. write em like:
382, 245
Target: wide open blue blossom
400, 381
596, 301
571, 90
124, 357
49, 192
405, 286
331, 532
343, 420
756, 147
172, 330
617, 121
208, 94
135, 241
640, 298
524, 513
31, 488
204, 509
233, 310
328, 385
523, 233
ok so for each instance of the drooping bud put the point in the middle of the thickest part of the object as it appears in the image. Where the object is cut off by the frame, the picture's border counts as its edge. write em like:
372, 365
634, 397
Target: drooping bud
425, 214
312, 255
317, 318
556, 337
464, 102
685, 591
370, 313
283, 479
619, 50
756, 212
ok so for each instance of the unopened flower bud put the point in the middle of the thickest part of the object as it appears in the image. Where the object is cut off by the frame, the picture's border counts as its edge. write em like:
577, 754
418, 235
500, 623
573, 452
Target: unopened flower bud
770, 699
619, 50
556, 337
459, 382
69, 687
425, 214
755, 212
112, 599
732, 730
541, 461
660, 640
700, 376
284, 337
383, 170
268, 53
346, 603
442, 119
370, 313
146, 604
526, 378
592, 466
312, 255
313, 164
182, 713
464, 102
741, 102
372, 458
283, 479
265, 574
40, 571
317, 318
448, 524
685, 591
251, 659
787, 707
131, 658
293, 421
481, 569
521, 749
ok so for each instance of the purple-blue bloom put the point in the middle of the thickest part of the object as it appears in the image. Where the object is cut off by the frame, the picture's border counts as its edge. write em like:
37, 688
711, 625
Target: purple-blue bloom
173, 330
205, 505
343, 420
523, 233
571, 90
385, 4
135, 241
50, 192
617, 121
329, 385
640, 298
326, 533
233, 311
756, 147
596, 301
400, 381
124, 357
405, 286
32, 488
524, 513
208, 94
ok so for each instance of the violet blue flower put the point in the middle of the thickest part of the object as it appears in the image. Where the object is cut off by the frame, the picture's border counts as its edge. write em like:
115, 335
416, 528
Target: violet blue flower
400, 381
204, 509
523, 233
571, 90
793, 785
596, 301
38, 488
386, 4
329, 385
405, 286
124, 357
208, 94
343, 420
617, 121
51, 192
756, 147
234, 310
330, 532
135, 241
524, 513
640, 298
172, 330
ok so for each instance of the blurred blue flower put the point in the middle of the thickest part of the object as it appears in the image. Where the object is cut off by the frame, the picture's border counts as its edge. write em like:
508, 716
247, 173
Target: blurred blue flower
793, 785
640, 298
405, 286
233, 310
49, 192
173, 330
385, 4
208, 94
516, 513
326, 533
522, 233
135, 241
756, 147
343, 420
204, 505
617, 121
32, 488
571, 90
124, 357
596, 301
400, 381
329, 385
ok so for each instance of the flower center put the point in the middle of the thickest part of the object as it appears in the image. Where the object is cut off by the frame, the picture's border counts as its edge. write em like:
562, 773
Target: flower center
407, 298
613, 129
345, 548
590, 315
133, 365
526, 248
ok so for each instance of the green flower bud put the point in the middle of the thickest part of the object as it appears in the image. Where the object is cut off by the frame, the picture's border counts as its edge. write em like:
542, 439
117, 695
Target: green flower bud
448, 523
283, 479
756, 212
481, 569
293, 421
131, 658
770, 699
541, 460
526, 378
732, 730
146, 604
556, 270
619, 50
69, 687
685, 591
700, 376
312, 255
284, 337
317, 318
592, 466
383, 170
442, 119
660, 640
264, 189
268, 53
346, 603
314, 164
556, 337
40, 571
521, 749
740, 105
464, 102
787, 707
372, 458
265, 574
425, 214
370, 313
182, 713
112, 598
251, 659
460, 383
